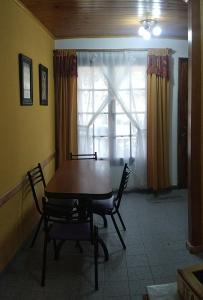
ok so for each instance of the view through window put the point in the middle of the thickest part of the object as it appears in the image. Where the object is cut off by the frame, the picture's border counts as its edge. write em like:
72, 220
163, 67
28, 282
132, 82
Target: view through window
112, 105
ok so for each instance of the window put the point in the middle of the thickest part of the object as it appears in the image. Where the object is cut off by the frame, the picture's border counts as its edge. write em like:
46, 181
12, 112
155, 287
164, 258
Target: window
112, 104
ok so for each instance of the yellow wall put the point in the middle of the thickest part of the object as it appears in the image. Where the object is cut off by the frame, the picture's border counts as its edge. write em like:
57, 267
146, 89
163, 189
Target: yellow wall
26, 132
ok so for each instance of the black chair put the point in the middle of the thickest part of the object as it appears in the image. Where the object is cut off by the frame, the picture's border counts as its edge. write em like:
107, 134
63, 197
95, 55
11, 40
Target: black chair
110, 207
68, 227
83, 156
36, 179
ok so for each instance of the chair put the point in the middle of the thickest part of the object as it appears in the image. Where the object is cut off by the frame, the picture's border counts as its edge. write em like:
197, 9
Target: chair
110, 207
36, 178
83, 156
69, 227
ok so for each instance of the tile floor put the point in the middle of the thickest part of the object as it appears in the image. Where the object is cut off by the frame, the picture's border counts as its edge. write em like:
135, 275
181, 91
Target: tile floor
155, 239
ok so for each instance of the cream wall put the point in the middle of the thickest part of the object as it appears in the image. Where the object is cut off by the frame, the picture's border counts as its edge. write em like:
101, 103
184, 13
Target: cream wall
27, 132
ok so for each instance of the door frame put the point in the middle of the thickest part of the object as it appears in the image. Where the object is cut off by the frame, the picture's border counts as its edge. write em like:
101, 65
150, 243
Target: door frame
182, 153
195, 203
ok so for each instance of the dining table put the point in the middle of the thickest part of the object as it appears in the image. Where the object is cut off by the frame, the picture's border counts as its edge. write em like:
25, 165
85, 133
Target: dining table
81, 179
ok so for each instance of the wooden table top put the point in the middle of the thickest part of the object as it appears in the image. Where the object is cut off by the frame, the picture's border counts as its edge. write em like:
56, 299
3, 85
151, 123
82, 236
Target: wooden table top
80, 179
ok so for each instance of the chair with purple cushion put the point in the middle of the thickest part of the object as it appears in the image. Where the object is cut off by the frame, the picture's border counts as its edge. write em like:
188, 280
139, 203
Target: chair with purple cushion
70, 227
37, 182
110, 207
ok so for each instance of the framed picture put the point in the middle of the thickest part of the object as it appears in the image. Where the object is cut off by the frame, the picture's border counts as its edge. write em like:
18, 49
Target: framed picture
25, 76
43, 85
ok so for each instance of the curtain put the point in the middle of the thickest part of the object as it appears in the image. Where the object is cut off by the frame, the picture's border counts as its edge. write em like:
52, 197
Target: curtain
112, 109
65, 83
158, 119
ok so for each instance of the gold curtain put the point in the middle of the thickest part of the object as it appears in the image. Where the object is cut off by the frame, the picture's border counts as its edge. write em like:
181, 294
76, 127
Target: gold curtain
158, 119
65, 83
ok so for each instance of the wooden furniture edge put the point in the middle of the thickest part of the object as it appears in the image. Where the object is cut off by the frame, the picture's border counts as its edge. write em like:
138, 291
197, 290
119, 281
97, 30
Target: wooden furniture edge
188, 279
10, 193
194, 249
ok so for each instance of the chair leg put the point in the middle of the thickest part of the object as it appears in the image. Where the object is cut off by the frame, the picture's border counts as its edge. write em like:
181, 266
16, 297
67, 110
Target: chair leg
121, 220
96, 259
55, 249
77, 244
103, 245
36, 232
58, 249
91, 227
105, 220
118, 232
44, 261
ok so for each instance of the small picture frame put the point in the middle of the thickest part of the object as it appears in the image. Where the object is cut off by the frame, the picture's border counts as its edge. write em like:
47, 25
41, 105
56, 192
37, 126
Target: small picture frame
43, 85
26, 80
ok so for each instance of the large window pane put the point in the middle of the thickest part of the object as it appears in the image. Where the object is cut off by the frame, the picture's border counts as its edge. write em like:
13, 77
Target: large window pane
125, 81
133, 130
117, 77
122, 147
84, 80
134, 145
124, 99
119, 108
140, 119
84, 142
138, 101
102, 146
99, 98
101, 125
85, 101
122, 125
138, 77
84, 119
99, 79
139, 145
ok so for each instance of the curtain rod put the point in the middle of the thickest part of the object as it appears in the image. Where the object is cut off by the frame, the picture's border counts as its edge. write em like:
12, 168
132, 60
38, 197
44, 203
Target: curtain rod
110, 50
119, 50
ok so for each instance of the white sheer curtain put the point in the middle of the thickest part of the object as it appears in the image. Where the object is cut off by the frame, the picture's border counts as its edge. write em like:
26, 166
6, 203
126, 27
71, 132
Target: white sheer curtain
112, 109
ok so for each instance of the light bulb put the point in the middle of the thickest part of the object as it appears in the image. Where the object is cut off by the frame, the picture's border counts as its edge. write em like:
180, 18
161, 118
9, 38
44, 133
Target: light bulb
141, 30
156, 30
146, 35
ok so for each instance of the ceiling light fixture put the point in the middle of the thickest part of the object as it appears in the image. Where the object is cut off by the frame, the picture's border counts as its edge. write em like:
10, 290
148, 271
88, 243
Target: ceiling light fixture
149, 27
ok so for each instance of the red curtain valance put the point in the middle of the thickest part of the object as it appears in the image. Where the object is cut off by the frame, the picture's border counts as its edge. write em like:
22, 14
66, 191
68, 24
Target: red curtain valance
158, 62
65, 62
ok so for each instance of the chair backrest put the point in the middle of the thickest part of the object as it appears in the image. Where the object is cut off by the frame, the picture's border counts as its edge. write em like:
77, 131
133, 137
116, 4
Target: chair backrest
68, 226
123, 185
83, 156
36, 177
56, 213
